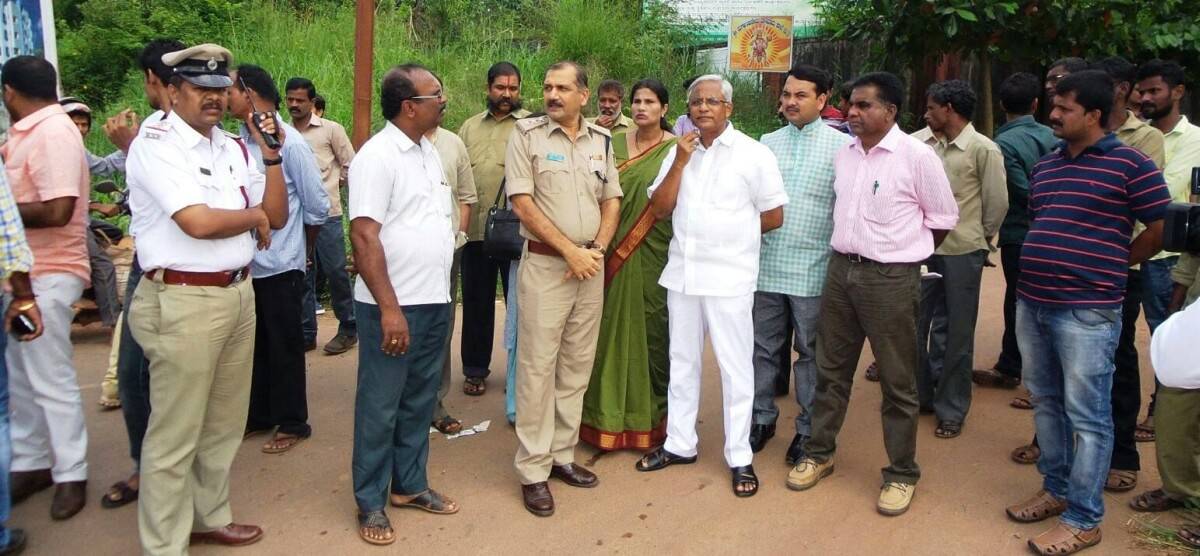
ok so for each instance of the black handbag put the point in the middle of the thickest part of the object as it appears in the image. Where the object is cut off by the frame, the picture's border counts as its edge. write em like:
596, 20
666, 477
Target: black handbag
502, 232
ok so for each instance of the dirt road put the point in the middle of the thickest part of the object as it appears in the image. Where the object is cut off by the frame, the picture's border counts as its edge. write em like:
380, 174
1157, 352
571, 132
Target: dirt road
303, 498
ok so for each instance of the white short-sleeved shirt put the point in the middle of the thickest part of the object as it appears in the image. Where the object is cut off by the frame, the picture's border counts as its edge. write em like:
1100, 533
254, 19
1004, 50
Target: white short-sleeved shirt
717, 227
1173, 352
400, 184
171, 167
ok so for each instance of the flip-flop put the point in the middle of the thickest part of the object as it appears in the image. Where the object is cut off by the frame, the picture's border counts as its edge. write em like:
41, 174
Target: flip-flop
1143, 433
109, 404
431, 501
1154, 501
118, 495
1021, 402
281, 443
1189, 536
948, 429
474, 386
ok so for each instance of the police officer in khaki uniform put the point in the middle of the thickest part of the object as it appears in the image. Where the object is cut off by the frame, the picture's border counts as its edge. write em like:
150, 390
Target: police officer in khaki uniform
199, 209
562, 183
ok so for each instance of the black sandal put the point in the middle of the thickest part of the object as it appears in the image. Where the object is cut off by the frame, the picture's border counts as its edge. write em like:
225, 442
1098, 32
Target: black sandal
948, 429
743, 476
118, 495
378, 521
661, 458
431, 501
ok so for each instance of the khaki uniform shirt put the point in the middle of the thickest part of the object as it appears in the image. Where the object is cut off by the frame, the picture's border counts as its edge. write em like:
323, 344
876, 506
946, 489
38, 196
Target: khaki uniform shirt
1148, 139
975, 167
568, 180
456, 165
624, 123
486, 140
333, 151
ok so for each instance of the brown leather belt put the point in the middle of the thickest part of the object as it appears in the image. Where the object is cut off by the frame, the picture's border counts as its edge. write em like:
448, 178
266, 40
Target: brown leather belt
543, 249
857, 258
214, 279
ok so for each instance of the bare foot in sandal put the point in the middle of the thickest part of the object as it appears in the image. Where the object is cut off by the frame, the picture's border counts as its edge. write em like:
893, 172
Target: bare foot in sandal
121, 493
281, 443
375, 528
1145, 430
1190, 536
1027, 454
1120, 480
431, 501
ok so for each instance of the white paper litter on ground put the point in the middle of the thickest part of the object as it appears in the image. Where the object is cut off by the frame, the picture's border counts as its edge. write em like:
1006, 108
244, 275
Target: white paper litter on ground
477, 429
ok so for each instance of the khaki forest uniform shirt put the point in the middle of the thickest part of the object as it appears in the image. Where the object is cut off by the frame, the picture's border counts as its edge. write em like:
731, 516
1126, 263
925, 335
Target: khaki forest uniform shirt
568, 180
486, 140
334, 152
975, 167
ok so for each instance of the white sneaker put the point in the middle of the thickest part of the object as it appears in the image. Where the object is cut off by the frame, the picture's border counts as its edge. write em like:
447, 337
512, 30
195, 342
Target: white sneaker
895, 498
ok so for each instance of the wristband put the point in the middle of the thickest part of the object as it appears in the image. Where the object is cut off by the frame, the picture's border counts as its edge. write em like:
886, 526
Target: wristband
272, 161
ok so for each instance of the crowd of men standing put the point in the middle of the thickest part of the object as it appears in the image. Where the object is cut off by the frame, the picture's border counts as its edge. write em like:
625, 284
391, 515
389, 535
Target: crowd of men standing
834, 234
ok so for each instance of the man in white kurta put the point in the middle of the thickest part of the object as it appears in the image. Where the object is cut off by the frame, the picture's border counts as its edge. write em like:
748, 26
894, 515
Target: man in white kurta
727, 190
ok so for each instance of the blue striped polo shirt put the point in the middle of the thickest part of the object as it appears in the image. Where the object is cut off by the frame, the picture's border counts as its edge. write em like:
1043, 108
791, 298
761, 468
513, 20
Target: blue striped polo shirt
1077, 252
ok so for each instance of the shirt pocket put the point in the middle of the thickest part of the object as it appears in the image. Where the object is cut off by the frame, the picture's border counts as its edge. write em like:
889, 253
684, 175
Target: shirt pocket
881, 205
551, 177
728, 193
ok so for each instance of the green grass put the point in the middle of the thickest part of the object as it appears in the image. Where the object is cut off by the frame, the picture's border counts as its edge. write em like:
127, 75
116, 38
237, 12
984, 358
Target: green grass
1154, 535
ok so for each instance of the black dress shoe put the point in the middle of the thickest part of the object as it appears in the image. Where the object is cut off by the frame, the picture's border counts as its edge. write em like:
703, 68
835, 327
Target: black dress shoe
796, 451
759, 435
574, 475
23, 484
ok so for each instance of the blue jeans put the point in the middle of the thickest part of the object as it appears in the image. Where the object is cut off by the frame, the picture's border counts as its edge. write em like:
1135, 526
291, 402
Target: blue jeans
1067, 361
330, 255
133, 376
5, 443
1156, 290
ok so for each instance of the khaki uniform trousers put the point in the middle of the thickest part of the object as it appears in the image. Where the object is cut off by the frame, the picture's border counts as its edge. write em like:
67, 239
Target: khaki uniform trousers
559, 325
1177, 439
200, 343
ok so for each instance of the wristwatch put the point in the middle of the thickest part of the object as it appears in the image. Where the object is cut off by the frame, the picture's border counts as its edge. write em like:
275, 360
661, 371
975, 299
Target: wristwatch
592, 244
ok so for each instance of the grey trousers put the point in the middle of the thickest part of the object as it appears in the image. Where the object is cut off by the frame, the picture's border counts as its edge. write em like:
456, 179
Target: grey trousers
946, 334
439, 409
772, 313
104, 282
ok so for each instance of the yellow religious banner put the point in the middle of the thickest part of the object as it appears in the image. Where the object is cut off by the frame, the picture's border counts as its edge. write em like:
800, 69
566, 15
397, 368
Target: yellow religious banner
760, 43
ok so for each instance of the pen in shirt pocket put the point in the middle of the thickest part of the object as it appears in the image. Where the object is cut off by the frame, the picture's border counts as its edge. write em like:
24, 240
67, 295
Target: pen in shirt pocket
875, 188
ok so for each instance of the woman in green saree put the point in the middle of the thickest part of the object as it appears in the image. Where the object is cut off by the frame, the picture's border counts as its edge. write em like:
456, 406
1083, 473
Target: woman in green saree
626, 401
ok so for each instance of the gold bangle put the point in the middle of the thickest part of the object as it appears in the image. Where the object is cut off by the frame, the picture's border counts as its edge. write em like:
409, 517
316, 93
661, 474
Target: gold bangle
27, 306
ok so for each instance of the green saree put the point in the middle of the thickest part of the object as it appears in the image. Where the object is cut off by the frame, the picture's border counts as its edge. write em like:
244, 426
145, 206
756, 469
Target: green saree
626, 401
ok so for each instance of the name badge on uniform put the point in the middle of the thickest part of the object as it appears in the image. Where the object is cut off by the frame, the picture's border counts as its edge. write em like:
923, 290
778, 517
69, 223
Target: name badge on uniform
597, 163
555, 157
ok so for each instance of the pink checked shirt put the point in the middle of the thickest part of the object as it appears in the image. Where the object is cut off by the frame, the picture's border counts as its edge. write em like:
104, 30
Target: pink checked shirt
890, 199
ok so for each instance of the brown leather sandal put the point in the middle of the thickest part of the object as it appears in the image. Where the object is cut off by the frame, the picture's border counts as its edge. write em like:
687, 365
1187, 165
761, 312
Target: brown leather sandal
1027, 454
1041, 506
1064, 539
474, 386
375, 528
1154, 501
1021, 402
1120, 480
1145, 430
431, 501
281, 443
872, 373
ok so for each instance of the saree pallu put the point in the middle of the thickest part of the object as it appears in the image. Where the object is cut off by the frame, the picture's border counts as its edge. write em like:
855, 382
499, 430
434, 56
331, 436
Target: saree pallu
626, 402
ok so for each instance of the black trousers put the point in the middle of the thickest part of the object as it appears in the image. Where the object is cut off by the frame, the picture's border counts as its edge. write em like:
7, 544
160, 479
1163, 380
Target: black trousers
278, 394
1009, 363
479, 307
1126, 384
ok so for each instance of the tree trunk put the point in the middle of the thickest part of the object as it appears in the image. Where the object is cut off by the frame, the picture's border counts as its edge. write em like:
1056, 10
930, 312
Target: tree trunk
989, 110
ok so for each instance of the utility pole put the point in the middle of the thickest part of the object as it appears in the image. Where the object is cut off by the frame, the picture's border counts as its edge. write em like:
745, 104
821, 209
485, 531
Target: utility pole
364, 57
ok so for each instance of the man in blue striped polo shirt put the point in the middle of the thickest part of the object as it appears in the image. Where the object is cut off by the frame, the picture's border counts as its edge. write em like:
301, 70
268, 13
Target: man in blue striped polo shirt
1084, 198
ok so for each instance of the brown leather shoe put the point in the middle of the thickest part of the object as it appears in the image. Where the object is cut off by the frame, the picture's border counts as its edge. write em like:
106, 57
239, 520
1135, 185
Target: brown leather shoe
23, 484
234, 534
69, 498
574, 475
538, 499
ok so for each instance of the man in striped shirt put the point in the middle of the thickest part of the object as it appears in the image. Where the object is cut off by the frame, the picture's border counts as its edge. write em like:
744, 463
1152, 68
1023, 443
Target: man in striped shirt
1084, 197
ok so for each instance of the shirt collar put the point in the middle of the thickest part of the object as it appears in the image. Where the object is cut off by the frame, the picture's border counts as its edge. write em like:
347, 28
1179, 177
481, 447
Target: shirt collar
583, 125
315, 121
28, 122
1180, 126
965, 137
518, 114
1016, 122
807, 130
402, 140
1105, 144
190, 136
889, 143
1131, 122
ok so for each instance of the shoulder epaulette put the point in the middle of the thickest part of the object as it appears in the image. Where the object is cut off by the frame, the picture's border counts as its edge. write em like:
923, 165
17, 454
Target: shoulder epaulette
528, 124
603, 130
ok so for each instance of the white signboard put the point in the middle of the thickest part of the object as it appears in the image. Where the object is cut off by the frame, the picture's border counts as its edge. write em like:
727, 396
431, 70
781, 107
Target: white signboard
713, 16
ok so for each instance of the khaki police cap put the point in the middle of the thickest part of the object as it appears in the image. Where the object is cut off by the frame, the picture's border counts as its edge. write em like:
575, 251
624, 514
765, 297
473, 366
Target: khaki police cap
204, 65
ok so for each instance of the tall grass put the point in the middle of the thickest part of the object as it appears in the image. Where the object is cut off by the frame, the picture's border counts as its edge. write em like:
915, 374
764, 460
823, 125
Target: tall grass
611, 39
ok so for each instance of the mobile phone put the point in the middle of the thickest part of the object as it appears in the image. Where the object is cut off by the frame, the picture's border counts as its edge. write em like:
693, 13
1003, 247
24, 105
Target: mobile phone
23, 325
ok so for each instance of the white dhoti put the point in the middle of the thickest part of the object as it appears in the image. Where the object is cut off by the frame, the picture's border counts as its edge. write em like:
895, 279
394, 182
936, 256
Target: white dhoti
729, 323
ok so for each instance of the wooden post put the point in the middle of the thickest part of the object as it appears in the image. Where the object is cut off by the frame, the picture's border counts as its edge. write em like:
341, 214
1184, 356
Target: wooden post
989, 113
364, 62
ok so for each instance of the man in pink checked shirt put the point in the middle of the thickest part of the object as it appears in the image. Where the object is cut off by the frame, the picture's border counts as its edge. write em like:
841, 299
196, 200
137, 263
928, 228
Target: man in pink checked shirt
894, 206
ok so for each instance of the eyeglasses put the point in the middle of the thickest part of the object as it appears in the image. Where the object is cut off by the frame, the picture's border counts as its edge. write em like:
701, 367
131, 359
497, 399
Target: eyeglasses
710, 102
1054, 79
440, 95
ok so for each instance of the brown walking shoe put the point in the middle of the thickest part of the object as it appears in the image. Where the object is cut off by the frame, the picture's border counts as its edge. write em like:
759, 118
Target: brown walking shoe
1040, 506
234, 534
574, 475
69, 498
